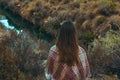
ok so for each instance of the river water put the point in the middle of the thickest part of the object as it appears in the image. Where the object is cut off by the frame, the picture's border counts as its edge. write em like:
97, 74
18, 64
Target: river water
15, 22
5, 22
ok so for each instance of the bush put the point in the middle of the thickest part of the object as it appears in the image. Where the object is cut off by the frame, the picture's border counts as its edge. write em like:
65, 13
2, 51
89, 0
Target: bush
107, 8
112, 40
8, 64
109, 4
105, 53
22, 58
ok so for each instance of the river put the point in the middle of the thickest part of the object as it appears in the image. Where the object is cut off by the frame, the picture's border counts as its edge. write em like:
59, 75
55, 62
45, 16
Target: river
7, 21
6, 24
15, 22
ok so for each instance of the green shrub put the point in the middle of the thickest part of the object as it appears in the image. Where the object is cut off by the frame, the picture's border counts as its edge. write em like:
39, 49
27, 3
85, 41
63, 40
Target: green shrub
109, 4
104, 54
112, 40
107, 8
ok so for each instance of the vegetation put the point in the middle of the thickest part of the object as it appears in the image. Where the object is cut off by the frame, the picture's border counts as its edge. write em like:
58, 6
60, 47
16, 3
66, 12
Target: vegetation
22, 57
108, 8
109, 4
112, 40
105, 53
98, 27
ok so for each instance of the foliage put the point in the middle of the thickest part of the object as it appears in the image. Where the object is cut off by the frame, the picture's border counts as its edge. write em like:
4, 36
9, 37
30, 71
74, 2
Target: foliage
109, 4
107, 8
8, 65
21, 57
49, 13
87, 37
98, 21
105, 53
112, 40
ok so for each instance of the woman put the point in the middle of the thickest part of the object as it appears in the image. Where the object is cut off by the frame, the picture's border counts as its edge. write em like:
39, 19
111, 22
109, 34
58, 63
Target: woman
67, 60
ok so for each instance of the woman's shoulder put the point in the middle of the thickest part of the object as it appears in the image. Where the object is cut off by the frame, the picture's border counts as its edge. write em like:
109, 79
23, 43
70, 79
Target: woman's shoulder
81, 49
53, 48
52, 52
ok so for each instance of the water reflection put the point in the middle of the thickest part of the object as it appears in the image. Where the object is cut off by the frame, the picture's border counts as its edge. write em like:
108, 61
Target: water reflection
4, 22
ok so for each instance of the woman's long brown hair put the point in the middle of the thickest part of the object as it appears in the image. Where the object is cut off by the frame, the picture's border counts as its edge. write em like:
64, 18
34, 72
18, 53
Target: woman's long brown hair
67, 44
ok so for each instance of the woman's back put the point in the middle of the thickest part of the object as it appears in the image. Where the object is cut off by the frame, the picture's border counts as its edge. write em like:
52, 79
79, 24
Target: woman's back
66, 60
61, 71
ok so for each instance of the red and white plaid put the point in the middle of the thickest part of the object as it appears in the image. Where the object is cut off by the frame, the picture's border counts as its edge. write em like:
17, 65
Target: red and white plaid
59, 71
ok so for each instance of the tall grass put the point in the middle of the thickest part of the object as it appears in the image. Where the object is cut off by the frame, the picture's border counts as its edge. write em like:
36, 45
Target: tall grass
22, 57
104, 54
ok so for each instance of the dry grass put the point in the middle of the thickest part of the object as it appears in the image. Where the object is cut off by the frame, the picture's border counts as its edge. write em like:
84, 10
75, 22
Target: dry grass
44, 12
23, 56
104, 55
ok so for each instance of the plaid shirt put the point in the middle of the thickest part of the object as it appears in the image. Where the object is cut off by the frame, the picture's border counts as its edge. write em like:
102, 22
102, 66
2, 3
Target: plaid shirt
59, 71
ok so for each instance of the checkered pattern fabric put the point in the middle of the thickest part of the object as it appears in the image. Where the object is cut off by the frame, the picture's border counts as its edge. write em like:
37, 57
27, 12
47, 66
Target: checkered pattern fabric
60, 71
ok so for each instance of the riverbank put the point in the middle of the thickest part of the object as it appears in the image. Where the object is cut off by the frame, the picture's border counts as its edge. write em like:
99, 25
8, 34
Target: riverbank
21, 23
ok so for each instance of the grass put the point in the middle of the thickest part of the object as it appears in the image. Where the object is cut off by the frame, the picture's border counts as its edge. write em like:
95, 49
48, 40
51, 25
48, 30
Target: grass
104, 54
22, 56
39, 12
